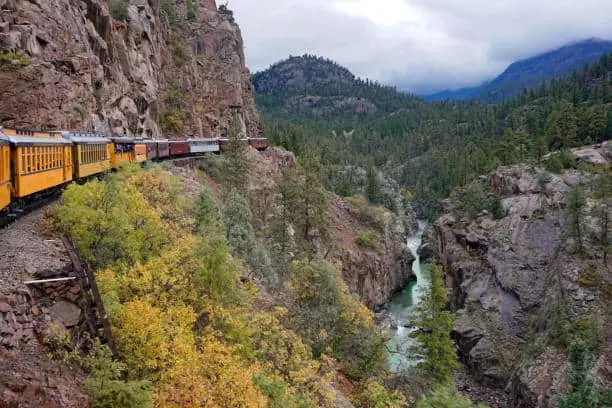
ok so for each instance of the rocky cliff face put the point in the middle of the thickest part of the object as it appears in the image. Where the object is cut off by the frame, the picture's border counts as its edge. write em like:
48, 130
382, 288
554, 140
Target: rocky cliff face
508, 275
373, 273
124, 67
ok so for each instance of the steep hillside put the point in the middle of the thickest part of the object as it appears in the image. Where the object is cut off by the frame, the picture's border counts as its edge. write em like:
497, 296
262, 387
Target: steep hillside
531, 72
318, 88
130, 67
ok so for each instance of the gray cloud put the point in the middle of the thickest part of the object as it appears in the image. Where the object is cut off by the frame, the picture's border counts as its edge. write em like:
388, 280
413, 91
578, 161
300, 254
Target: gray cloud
424, 45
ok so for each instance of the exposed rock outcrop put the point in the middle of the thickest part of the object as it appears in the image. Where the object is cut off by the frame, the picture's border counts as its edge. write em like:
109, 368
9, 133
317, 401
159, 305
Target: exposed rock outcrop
375, 274
142, 68
506, 275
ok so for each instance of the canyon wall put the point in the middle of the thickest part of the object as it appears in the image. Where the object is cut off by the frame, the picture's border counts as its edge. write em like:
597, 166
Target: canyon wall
142, 68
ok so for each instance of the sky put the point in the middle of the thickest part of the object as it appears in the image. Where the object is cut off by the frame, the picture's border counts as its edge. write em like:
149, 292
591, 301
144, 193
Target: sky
418, 45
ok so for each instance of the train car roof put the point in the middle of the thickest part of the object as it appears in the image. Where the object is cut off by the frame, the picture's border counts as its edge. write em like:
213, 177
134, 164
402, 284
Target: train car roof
85, 138
156, 140
125, 140
204, 139
31, 141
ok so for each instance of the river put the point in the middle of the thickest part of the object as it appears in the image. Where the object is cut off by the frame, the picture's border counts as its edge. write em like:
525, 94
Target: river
401, 307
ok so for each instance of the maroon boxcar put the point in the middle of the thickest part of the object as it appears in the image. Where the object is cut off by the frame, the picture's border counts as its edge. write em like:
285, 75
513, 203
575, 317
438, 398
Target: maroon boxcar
179, 147
259, 143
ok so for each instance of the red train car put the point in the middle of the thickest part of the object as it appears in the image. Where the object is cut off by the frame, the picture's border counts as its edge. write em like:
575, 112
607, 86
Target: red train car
179, 147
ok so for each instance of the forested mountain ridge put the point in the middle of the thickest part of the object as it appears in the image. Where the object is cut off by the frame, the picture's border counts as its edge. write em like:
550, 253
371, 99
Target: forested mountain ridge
318, 88
430, 148
531, 72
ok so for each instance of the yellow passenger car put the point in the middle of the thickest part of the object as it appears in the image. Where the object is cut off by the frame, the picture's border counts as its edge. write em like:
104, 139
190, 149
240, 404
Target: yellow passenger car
39, 163
5, 172
30, 133
91, 153
140, 151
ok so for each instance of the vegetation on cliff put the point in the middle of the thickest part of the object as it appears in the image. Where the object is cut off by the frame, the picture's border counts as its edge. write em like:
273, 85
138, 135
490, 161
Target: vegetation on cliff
175, 275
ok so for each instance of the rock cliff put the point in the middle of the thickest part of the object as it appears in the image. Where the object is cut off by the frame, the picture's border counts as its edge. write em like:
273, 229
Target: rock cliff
124, 67
377, 271
508, 276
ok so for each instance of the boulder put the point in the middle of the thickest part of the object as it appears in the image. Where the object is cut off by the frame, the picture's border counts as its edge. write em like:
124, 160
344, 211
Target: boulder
67, 313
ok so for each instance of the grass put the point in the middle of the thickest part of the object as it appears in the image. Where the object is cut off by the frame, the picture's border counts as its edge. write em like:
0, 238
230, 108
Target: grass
368, 239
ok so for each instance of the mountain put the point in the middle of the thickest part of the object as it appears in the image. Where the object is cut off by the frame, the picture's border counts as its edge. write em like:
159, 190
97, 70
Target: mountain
531, 72
318, 88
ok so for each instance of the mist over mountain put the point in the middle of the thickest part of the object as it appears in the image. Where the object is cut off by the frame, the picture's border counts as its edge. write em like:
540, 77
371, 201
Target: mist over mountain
531, 72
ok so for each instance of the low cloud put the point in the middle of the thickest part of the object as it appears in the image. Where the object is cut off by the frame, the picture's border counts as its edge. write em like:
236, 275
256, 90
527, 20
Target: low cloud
420, 45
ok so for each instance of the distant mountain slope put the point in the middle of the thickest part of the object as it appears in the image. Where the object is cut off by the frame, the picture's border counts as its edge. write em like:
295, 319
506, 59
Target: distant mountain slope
318, 88
531, 72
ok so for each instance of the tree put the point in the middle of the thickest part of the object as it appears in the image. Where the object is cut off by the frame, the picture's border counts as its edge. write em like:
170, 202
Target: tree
562, 127
576, 202
303, 206
237, 219
582, 392
372, 189
434, 325
237, 166
207, 214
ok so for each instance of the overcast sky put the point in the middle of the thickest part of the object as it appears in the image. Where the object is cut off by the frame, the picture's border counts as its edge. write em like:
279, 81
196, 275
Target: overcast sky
421, 45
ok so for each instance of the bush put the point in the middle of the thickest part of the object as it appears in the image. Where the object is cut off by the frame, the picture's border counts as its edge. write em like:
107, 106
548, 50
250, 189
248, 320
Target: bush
118, 9
554, 164
368, 239
497, 209
544, 178
375, 395
192, 10
444, 397
475, 199
13, 60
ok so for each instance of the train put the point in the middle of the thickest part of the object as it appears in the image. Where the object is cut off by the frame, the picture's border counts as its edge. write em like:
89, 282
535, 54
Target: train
37, 163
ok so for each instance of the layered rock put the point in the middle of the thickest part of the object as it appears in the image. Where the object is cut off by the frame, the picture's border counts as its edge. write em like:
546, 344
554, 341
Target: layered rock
506, 276
144, 70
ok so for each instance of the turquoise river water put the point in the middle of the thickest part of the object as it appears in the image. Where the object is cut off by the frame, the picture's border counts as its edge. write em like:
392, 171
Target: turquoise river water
401, 308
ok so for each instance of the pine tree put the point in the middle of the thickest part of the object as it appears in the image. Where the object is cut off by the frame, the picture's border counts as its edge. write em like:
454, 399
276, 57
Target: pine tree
237, 219
237, 167
582, 392
434, 325
372, 189
304, 206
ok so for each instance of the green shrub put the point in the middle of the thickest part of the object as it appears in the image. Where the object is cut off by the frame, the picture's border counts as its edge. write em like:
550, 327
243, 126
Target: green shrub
590, 278
375, 395
192, 10
118, 9
497, 209
444, 397
475, 199
104, 383
368, 239
13, 60
554, 164
544, 178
